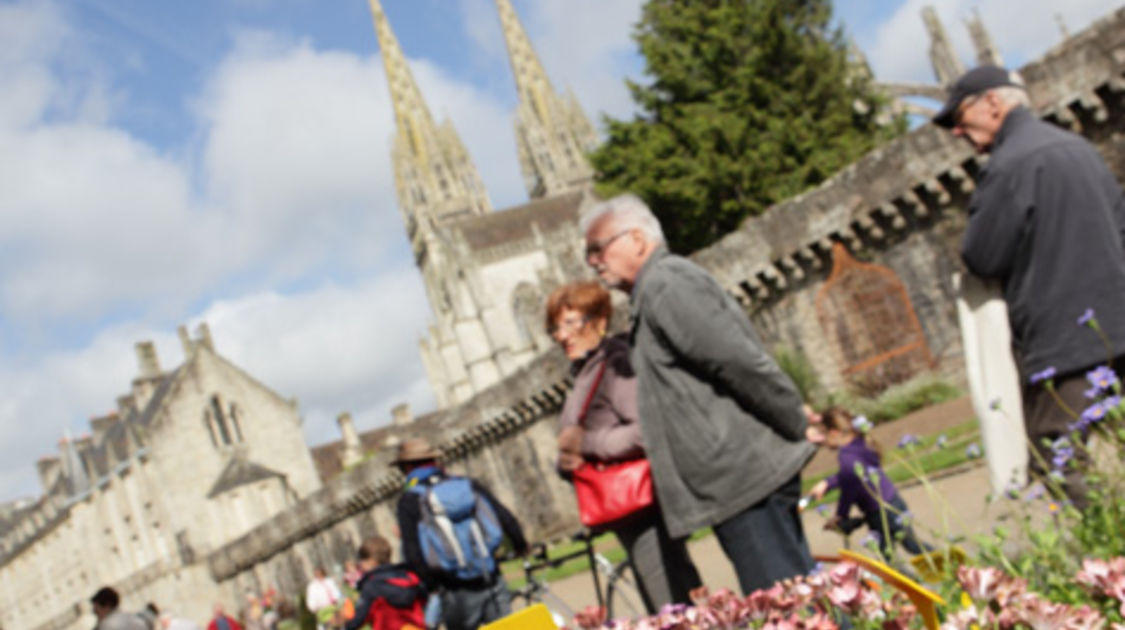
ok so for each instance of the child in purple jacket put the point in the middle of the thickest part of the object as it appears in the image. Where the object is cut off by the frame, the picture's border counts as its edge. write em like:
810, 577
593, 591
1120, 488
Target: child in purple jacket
863, 484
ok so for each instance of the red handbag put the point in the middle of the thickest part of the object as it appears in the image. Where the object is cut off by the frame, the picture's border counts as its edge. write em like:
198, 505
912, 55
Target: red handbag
610, 492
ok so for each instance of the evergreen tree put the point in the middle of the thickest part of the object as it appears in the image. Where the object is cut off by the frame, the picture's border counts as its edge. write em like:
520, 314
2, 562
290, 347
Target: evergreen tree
749, 102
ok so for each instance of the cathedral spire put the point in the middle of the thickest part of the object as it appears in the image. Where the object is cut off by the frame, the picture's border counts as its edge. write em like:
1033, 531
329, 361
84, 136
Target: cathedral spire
987, 53
435, 179
947, 67
553, 133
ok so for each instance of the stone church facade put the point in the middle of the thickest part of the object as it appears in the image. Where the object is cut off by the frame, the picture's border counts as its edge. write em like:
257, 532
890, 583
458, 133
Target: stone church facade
192, 459
252, 513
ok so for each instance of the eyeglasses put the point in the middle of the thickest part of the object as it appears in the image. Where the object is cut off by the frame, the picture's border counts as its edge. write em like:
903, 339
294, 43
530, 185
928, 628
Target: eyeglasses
596, 249
569, 325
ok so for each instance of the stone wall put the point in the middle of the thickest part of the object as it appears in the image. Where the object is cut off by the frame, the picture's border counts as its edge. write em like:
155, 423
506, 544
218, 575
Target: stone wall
900, 206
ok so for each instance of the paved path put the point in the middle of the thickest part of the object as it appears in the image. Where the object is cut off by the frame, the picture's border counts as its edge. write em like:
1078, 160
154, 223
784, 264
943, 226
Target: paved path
959, 507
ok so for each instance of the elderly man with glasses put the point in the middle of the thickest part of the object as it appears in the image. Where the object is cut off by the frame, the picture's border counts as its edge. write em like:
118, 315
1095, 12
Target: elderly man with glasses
1047, 220
723, 426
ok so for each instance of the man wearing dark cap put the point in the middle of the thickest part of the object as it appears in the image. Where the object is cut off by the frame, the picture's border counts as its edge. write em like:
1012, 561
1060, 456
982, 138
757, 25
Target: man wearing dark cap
1047, 220
105, 604
451, 526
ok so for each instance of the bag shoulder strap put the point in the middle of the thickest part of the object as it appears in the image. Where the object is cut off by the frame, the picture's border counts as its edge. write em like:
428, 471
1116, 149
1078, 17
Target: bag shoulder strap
590, 395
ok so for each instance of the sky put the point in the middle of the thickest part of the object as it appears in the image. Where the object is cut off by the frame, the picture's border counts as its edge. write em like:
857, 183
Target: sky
228, 162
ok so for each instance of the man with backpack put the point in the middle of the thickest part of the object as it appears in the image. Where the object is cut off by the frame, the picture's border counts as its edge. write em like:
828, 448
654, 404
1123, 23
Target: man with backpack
451, 526
390, 596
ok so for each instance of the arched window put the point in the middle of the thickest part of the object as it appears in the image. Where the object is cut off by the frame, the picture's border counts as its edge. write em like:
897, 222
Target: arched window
207, 422
219, 420
236, 420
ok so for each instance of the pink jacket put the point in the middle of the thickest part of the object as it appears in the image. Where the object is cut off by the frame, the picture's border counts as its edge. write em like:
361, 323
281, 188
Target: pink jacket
612, 429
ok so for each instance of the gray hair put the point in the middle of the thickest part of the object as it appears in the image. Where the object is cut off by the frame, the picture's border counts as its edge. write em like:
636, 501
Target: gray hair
1012, 96
627, 211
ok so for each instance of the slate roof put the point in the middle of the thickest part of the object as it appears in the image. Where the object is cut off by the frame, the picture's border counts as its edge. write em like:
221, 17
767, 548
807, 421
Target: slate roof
514, 224
239, 472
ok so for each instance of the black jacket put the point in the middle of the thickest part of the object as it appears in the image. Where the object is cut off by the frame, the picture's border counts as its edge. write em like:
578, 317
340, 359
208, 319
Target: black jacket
1048, 221
377, 583
409, 513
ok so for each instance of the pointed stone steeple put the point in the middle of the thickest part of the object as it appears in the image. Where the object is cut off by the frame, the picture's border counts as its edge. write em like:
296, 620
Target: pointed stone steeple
947, 67
987, 53
435, 179
552, 131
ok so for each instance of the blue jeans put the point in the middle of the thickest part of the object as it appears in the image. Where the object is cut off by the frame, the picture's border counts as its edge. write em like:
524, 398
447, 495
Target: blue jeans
467, 608
766, 541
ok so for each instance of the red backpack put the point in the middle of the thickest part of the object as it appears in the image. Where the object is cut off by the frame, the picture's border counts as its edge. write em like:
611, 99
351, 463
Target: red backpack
384, 616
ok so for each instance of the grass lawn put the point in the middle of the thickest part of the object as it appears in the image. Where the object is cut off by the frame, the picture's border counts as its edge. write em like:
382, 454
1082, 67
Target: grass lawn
926, 456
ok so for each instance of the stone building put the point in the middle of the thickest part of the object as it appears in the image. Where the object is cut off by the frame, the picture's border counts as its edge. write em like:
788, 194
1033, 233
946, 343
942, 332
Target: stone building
485, 272
192, 459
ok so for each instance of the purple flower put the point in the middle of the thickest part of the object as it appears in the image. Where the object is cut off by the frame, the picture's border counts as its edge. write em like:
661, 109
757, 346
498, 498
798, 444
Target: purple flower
904, 519
907, 440
1102, 378
942, 441
1034, 493
1062, 452
994, 404
973, 451
861, 424
1057, 476
822, 509
1086, 317
1094, 413
1043, 375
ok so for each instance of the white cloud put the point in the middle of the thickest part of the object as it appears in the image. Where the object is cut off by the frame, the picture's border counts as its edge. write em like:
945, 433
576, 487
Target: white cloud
1022, 31
337, 348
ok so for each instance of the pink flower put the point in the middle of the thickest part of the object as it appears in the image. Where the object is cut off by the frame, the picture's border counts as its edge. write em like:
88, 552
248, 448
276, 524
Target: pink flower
961, 620
820, 621
590, 617
1085, 618
980, 582
1040, 614
847, 597
1101, 575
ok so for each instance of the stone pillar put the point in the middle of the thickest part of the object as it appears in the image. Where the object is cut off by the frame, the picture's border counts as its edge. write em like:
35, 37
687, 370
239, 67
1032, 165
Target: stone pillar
401, 415
147, 361
185, 341
353, 450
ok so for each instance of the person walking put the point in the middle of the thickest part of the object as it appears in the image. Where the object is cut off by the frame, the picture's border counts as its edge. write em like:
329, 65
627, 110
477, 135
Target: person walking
723, 426
598, 425
105, 604
220, 620
1047, 220
864, 484
322, 594
451, 526
391, 597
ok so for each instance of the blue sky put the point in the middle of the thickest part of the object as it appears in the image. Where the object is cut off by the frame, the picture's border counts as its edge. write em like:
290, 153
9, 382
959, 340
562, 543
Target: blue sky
166, 163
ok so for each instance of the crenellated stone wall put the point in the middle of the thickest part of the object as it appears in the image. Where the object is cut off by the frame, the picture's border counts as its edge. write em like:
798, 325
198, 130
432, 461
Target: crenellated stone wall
900, 206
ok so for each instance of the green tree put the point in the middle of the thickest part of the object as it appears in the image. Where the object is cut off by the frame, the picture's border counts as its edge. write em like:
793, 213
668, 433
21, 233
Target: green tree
749, 102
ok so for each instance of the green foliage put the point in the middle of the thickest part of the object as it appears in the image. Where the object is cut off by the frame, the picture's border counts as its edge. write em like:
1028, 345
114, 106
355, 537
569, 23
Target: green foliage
797, 366
899, 400
749, 102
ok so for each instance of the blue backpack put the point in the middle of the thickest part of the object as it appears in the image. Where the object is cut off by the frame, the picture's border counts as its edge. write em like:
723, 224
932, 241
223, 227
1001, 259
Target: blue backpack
458, 530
